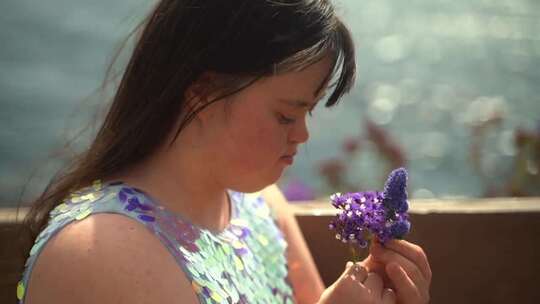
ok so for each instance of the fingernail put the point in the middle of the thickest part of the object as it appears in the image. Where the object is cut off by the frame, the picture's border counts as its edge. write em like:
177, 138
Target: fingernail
359, 267
349, 264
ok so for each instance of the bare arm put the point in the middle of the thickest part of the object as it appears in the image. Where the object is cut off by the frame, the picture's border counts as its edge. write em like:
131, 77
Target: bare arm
107, 258
304, 276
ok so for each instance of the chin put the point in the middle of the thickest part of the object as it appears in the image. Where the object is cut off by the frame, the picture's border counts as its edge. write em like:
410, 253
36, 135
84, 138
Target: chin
258, 184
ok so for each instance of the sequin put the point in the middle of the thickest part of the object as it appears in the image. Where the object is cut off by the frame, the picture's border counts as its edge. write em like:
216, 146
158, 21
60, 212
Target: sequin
239, 222
146, 218
97, 185
238, 263
196, 287
20, 290
262, 240
76, 199
62, 207
127, 190
237, 244
122, 196
90, 197
262, 213
131, 205
216, 297
35, 248
83, 214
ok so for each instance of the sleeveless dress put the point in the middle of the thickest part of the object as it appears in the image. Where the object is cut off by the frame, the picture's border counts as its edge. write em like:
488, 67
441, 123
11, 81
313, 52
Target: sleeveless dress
244, 263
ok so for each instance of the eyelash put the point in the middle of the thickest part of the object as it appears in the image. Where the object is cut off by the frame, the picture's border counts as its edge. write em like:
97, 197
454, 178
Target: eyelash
286, 120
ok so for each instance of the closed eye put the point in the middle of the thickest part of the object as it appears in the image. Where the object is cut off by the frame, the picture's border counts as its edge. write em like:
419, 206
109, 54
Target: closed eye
286, 120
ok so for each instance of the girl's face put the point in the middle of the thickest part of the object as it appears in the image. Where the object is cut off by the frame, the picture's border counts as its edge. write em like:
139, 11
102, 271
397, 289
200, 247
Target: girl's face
247, 136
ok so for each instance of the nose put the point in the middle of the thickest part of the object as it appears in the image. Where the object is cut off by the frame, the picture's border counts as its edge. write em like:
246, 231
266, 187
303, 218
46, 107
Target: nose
299, 133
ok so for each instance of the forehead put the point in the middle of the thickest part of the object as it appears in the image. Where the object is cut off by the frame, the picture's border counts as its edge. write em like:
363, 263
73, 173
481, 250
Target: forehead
306, 84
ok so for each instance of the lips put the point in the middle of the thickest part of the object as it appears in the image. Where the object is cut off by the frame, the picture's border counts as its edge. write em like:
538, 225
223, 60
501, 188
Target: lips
290, 154
289, 159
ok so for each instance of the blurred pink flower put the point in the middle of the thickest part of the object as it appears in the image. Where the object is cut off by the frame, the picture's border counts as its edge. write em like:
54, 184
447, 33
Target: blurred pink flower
296, 190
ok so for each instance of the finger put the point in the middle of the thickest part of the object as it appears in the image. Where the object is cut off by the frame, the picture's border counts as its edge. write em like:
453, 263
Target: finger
374, 283
406, 290
372, 265
345, 273
354, 271
379, 268
347, 268
388, 256
414, 253
360, 272
388, 296
349, 287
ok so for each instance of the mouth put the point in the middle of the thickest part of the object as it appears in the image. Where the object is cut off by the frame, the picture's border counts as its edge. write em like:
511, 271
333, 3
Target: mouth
289, 159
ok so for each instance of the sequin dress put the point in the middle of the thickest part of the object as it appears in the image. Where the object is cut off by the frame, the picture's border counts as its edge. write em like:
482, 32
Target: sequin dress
244, 263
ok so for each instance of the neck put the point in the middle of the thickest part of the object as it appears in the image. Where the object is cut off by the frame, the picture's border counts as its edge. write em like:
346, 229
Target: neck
182, 187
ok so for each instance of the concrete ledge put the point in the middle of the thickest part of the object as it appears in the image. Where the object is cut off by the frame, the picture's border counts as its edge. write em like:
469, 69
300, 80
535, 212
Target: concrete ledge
480, 251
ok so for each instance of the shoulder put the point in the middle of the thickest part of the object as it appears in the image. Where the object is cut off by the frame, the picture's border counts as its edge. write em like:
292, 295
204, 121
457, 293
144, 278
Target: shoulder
303, 273
275, 198
106, 258
277, 201
274, 195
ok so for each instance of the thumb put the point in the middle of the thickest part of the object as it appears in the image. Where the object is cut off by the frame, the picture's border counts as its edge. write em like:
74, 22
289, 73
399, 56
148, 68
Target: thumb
373, 265
345, 273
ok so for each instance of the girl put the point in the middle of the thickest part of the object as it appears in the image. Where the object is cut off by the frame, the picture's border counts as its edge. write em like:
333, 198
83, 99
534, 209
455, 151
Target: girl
212, 105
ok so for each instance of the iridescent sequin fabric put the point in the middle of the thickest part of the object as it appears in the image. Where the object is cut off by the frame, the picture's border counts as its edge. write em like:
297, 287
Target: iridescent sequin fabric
244, 263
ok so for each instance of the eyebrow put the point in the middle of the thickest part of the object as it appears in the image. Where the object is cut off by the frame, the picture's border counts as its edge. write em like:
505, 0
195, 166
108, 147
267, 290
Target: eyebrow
301, 103
298, 103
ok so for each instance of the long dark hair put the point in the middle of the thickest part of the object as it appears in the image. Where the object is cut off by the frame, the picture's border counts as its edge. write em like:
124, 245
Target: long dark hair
240, 41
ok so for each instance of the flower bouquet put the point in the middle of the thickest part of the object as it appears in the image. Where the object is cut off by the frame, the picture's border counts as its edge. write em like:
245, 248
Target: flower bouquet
364, 215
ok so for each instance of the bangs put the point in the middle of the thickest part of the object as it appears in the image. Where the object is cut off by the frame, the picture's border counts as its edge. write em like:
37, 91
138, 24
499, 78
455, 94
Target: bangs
344, 64
341, 47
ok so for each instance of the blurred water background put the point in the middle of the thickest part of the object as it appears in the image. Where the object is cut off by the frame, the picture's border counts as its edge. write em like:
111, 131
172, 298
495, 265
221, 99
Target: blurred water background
449, 89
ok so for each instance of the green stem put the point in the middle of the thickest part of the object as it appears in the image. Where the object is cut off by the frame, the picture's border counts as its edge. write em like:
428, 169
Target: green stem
354, 253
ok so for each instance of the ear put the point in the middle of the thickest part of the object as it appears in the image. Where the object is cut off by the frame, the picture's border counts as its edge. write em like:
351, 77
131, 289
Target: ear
194, 94
201, 90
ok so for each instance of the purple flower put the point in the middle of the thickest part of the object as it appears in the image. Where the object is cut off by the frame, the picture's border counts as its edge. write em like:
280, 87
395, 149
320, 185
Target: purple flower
400, 228
395, 193
373, 213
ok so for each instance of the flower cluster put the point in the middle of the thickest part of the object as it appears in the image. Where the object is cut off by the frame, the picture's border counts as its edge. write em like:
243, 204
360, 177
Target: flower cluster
373, 213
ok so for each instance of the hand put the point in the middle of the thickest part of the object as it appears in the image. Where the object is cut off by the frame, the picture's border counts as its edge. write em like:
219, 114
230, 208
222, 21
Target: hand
356, 285
404, 267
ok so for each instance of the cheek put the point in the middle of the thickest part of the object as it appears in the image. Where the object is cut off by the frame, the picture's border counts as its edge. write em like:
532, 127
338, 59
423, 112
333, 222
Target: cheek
256, 140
